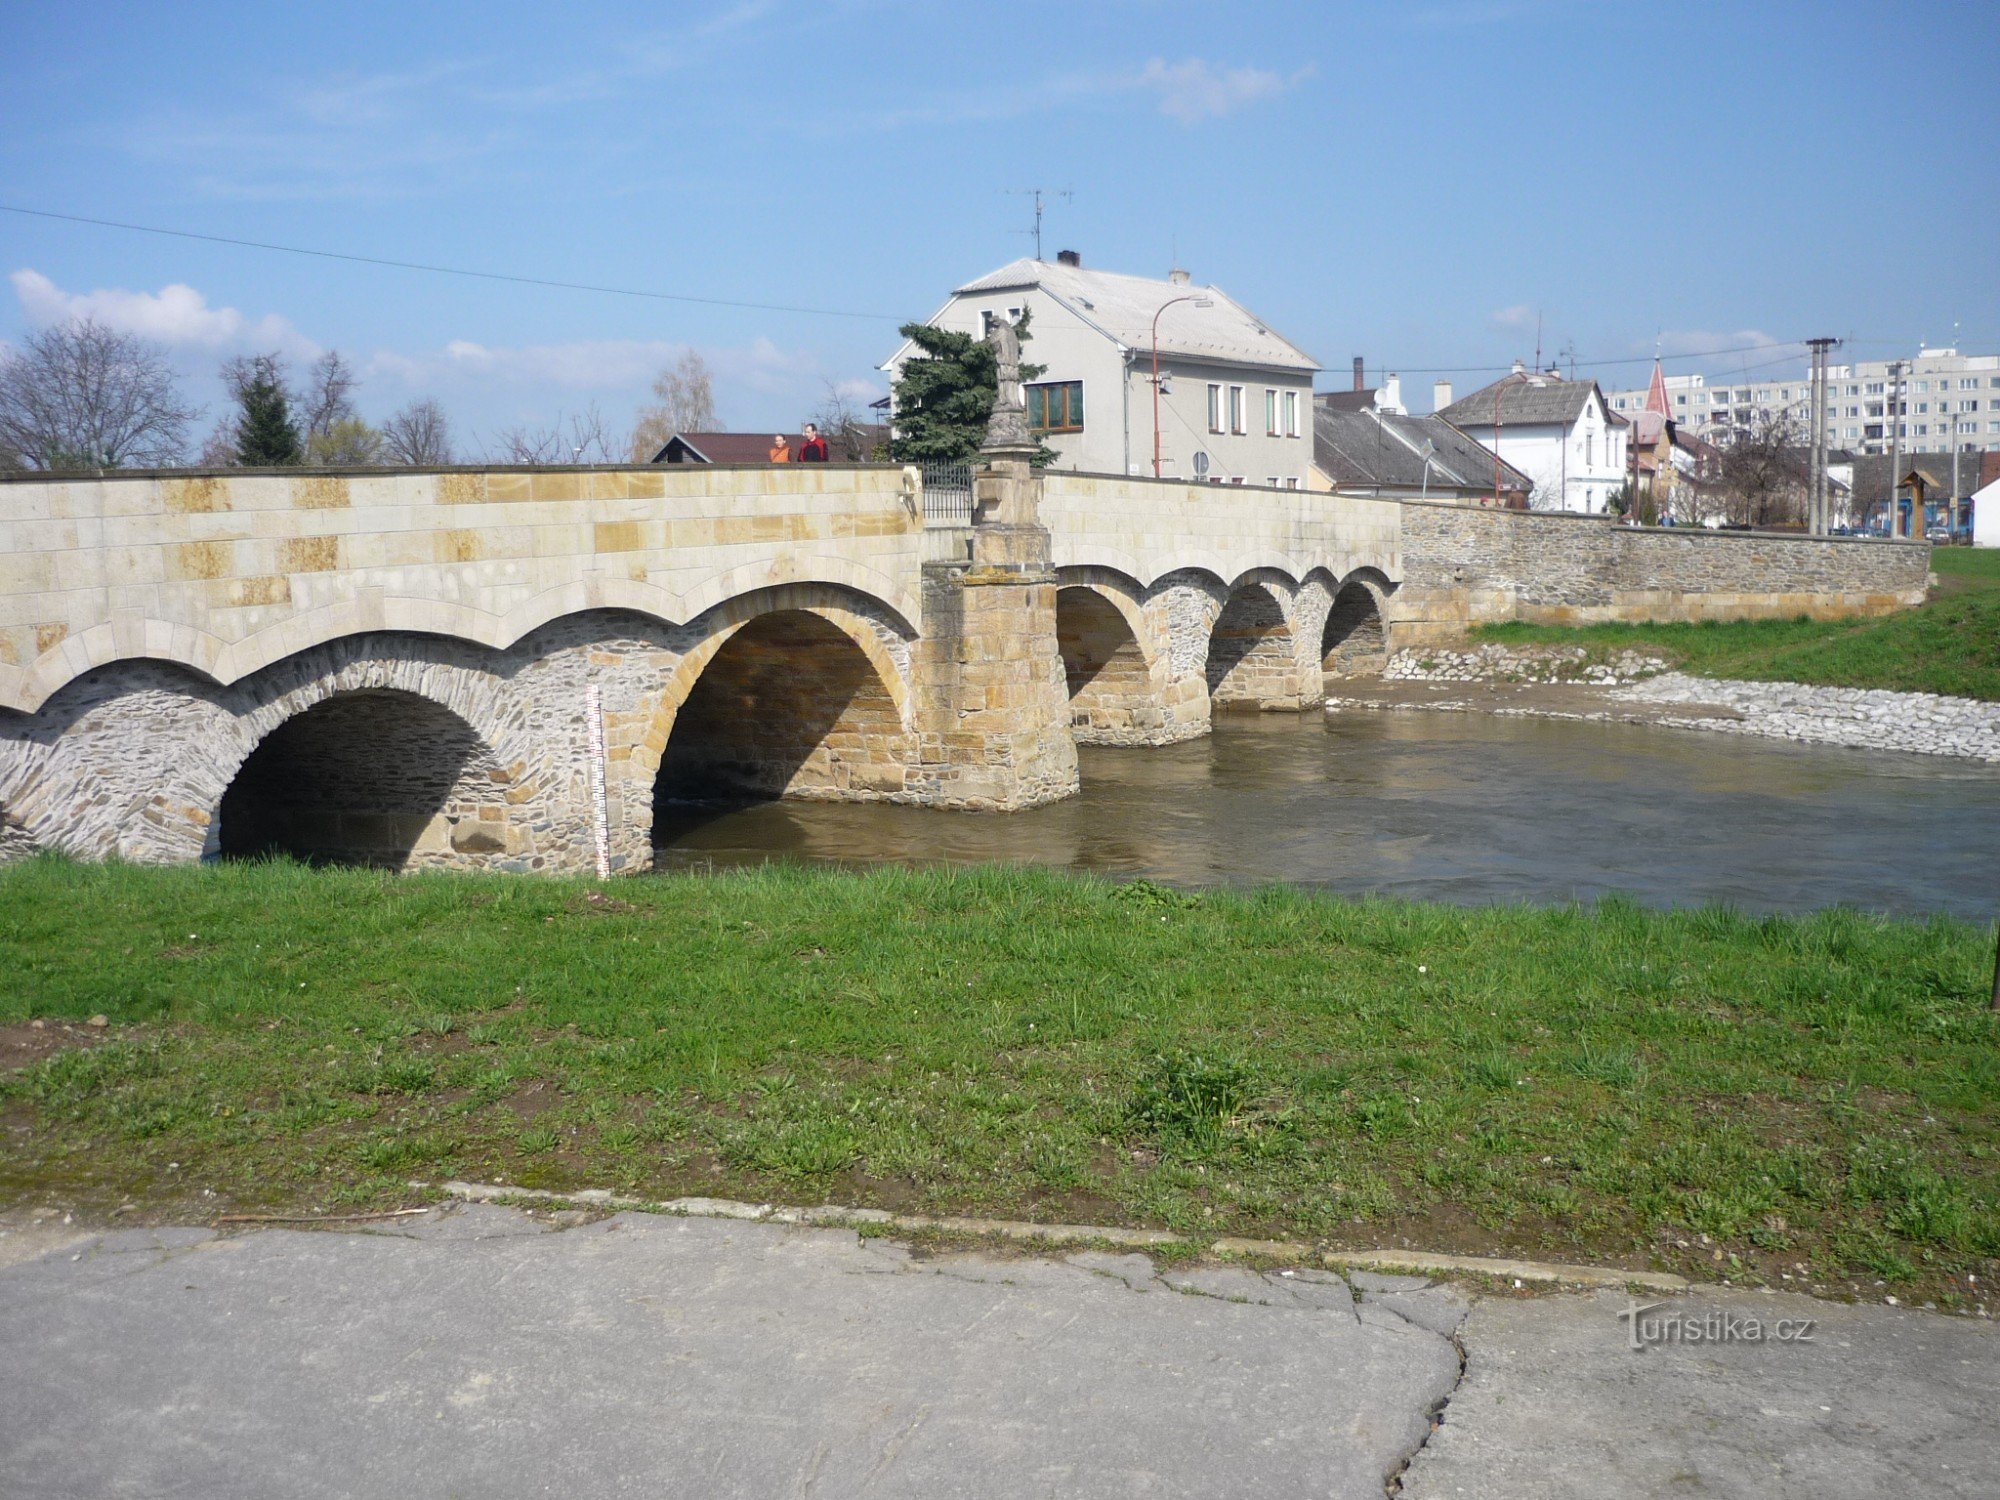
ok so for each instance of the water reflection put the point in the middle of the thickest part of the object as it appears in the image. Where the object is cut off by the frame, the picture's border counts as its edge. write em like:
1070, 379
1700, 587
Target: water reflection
1456, 807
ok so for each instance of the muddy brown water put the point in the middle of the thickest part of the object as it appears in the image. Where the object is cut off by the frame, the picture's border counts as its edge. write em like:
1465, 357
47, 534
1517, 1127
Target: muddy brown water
1463, 808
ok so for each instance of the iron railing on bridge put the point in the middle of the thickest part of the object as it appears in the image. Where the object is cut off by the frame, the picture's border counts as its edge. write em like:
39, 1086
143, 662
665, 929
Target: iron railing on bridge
947, 494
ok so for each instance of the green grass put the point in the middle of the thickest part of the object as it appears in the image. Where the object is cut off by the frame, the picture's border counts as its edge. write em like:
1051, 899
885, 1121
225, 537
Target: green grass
1950, 644
1817, 1093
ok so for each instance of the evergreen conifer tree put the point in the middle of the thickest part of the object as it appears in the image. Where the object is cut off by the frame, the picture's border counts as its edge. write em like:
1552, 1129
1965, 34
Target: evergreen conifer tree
944, 396
266, 435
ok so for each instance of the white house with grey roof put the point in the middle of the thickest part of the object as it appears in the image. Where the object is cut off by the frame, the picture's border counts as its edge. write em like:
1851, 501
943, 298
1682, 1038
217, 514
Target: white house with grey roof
1560, 433
1235, 402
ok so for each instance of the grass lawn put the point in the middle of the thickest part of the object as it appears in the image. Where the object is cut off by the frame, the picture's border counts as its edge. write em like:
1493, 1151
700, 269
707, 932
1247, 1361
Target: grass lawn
1950, 644
1811, 1097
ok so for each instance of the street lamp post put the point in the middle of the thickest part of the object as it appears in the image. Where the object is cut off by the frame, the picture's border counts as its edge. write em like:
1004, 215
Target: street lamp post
1198, 301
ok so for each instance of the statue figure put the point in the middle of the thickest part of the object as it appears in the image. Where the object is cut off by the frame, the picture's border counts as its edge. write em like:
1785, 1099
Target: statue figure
1007, 425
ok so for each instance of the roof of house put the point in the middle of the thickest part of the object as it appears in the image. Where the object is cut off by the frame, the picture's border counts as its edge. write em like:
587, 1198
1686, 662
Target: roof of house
1526, 399
1122, 308
1872, 472
1370, 447
1345, 400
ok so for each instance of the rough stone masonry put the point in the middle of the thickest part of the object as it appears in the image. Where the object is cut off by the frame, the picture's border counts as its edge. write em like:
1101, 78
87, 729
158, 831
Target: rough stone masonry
394, 667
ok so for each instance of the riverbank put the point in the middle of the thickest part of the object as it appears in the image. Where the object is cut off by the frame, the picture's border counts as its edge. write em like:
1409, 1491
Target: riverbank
1948, 646
1632, 687
1795, 1102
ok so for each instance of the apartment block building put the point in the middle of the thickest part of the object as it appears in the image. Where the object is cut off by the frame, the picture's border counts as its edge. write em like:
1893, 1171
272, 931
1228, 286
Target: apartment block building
1943, 400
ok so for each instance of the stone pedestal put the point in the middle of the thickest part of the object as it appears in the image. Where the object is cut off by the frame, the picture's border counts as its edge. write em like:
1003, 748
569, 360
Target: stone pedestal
995, 731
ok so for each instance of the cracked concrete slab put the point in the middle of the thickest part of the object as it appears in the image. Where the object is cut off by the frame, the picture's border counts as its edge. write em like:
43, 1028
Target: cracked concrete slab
1556, 1405
490, 1354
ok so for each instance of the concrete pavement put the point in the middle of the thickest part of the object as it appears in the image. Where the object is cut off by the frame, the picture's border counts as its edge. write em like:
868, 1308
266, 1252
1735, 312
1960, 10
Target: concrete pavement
478, 1351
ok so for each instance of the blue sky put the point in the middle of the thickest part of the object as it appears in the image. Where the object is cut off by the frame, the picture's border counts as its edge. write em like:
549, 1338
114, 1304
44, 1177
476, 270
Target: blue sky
1411, 182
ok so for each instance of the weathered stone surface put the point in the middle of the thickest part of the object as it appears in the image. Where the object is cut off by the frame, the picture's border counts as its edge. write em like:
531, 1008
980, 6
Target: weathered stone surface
777, 631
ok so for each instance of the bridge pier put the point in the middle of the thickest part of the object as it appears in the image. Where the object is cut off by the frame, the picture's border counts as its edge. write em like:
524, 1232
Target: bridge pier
993, 709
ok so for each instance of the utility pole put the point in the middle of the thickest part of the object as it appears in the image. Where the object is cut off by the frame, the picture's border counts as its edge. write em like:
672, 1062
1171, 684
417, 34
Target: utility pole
1896, 453
1819, 518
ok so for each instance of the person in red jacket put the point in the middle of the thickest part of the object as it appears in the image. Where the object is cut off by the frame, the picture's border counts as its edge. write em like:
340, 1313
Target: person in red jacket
813, 449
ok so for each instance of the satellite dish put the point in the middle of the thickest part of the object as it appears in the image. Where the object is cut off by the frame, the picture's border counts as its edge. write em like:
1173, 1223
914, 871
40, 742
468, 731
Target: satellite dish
1201, 465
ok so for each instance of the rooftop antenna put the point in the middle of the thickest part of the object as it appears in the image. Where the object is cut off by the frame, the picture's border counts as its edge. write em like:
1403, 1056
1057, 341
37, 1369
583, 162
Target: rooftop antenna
1538, 342
1038, 194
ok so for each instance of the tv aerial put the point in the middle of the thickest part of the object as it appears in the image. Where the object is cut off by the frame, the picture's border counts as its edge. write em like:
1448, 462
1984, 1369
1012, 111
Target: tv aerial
1038, 194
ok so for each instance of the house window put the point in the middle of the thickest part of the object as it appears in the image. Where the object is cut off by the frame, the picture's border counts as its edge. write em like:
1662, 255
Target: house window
1238, 417
1589, 449
1291, 413
1271, 481
1237, 480
1215, 408
1270, 412
1292, 481
1056, 406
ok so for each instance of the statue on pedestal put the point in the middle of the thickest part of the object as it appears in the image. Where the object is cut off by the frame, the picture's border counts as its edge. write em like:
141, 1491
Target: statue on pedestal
1007, 424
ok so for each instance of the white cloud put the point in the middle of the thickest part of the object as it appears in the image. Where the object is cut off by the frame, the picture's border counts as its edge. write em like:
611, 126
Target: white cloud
176, 315
1689, 341
1195, 90
1517, 317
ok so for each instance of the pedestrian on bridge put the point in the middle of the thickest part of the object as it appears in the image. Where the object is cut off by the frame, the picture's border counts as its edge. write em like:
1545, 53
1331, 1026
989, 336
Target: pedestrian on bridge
813, 449
781, 449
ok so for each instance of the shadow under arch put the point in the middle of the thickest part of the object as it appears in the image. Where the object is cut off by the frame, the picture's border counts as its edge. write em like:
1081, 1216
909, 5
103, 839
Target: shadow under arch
1112, 697
1355, 642
373, 776
788, 705
1250, 650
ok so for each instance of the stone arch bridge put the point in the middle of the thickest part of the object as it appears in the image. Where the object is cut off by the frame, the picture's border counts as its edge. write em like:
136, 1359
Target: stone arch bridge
534, 669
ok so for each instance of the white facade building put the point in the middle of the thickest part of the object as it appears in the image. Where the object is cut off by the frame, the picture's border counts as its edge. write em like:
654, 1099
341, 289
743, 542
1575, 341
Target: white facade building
1986, 516
1235, 401
1560, 433
1945, 399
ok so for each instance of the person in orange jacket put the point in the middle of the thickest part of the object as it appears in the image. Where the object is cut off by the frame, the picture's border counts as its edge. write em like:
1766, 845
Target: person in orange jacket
781, 450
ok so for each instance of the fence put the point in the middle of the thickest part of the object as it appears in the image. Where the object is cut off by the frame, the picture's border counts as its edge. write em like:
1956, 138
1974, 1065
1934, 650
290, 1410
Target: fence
947, 494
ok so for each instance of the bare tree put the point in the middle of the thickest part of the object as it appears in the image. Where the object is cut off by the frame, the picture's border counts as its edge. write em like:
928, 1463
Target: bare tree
82, 395
1760, 473
844, 426
328, 397
418, 434
580, 438
218, 449
685, 402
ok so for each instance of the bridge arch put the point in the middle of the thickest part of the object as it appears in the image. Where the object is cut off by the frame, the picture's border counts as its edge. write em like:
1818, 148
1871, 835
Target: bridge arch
377, 776
1252, 654
1354, 641
789, 692
1108, 661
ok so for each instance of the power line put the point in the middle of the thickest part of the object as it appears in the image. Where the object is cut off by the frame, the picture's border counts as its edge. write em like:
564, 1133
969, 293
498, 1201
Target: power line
411, 265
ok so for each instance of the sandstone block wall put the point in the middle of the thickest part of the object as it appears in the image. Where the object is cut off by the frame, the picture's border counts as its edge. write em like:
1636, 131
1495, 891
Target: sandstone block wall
229, 573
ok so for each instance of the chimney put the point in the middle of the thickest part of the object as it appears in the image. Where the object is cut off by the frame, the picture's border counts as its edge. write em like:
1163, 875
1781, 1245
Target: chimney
1519, 368
1390, 397
1440, 395
1178, 277
1069, 258
1360, 379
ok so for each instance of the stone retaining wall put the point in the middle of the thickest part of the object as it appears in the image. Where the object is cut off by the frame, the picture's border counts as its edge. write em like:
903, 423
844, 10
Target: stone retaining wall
1464, 565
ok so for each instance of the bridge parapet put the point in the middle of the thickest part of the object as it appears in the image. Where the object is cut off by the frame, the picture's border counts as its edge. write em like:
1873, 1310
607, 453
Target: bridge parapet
227, 573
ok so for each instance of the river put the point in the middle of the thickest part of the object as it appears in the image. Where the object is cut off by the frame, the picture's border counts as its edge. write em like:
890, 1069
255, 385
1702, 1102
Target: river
1464, 808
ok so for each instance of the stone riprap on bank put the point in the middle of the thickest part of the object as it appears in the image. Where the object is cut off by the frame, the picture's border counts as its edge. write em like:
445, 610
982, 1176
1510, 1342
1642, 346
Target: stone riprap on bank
520, 667
1640, 688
